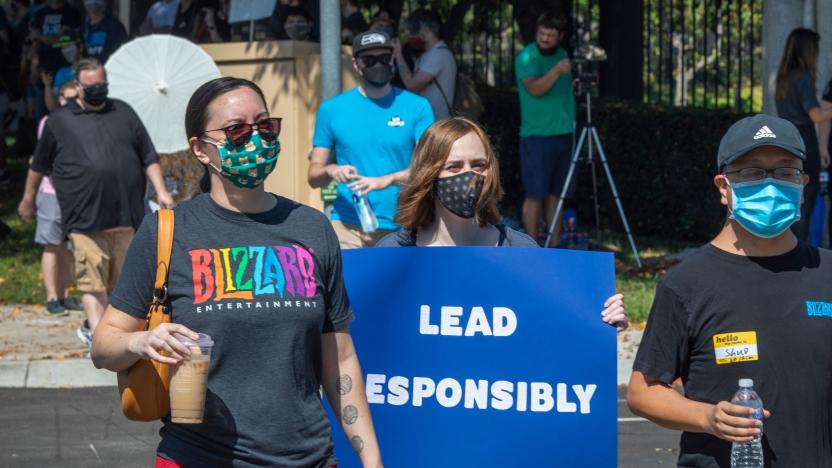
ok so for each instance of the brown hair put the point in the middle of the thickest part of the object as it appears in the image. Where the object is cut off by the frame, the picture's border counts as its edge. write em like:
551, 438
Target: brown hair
71, 84
799, 55
90, 63
417, 198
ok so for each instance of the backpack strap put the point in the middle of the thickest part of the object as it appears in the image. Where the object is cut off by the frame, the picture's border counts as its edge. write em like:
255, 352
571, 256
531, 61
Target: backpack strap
164, 245
439, 87
444, 97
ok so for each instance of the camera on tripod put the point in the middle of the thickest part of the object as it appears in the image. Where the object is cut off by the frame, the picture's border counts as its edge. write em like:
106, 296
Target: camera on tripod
586, 59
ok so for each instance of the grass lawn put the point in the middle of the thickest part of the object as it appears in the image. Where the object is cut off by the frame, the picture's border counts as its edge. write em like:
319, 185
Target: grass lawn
638, 286
20, 281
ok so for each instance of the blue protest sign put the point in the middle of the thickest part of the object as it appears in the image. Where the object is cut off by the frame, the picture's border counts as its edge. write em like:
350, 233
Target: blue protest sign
485, 357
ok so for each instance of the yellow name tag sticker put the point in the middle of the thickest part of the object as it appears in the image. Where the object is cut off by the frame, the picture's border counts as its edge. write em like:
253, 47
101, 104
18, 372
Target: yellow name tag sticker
736, 347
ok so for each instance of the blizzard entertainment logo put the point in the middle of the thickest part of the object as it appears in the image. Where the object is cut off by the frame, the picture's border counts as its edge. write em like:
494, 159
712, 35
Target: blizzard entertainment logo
818, 309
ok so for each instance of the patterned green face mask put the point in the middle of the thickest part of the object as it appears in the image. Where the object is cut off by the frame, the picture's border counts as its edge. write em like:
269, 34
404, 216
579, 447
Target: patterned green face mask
248, 166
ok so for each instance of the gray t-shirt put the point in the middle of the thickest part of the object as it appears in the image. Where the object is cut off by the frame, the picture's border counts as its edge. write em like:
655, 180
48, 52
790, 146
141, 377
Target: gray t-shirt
801, 97
265, 287
508, 238
439, 61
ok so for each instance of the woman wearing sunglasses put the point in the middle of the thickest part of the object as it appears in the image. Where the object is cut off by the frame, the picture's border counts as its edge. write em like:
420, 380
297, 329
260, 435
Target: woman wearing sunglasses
452, 195
261, 275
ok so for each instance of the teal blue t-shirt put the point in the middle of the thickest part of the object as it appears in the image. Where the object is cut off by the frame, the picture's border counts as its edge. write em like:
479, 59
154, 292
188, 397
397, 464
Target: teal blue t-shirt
552, 113
377, 137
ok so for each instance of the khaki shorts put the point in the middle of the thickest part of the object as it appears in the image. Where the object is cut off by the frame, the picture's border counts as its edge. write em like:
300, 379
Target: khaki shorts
99, 257
352, 237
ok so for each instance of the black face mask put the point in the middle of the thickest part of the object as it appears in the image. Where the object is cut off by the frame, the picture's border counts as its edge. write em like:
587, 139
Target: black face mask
379, 75
460, 194
96, 94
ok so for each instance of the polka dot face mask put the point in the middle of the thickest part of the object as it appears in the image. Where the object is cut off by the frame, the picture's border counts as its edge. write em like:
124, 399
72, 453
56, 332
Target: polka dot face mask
460, 193
248, 165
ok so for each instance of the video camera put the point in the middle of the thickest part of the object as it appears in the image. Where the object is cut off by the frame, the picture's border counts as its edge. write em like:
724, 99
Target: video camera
586, 59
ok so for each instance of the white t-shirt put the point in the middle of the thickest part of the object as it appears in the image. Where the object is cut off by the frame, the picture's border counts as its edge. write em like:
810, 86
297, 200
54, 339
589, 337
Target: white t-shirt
439, 61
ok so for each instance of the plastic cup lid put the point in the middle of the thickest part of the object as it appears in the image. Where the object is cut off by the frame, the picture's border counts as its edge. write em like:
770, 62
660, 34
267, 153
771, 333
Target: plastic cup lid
204, 341
746, 383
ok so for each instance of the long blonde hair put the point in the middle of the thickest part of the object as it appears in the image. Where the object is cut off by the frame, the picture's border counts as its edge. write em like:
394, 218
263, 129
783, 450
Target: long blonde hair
417, 198
799, 55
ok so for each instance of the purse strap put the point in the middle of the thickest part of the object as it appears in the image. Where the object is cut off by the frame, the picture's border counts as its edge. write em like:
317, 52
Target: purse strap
164, 245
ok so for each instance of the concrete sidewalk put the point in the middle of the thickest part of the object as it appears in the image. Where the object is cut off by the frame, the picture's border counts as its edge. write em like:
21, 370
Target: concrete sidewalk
37, 351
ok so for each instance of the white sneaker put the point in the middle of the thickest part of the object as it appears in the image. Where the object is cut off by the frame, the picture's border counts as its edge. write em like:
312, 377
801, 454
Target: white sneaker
84, 333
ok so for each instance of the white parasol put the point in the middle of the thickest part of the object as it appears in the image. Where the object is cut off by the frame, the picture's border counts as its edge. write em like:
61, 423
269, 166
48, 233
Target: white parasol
156, 75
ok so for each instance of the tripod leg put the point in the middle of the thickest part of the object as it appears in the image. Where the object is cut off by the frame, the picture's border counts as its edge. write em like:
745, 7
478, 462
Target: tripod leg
615, 194
569, 175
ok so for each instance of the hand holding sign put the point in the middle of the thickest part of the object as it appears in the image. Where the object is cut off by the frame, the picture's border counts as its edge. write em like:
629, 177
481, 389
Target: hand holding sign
480, 356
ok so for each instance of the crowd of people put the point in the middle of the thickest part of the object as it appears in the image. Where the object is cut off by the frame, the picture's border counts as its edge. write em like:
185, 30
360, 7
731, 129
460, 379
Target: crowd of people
432, 179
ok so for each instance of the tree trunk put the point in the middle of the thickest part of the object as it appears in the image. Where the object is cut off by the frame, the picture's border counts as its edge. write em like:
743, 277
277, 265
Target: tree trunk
529, 10
621, 37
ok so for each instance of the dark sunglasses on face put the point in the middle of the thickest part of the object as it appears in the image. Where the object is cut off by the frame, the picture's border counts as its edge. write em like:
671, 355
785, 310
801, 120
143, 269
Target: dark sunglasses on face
370, 60
239, 134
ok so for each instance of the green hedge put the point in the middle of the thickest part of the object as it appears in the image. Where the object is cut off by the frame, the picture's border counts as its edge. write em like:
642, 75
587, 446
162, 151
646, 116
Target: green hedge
663, 160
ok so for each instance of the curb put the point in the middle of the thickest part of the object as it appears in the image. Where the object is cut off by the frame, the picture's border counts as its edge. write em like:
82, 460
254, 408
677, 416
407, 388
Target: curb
80, 373
68, 373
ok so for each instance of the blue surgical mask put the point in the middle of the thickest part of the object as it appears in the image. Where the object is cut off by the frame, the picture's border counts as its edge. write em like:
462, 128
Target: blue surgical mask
765, 208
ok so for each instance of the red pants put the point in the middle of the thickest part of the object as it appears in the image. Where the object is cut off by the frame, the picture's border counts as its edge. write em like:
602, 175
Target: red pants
165, 463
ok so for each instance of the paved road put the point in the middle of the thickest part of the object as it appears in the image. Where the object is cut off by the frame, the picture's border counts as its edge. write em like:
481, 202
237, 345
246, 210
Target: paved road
82, 428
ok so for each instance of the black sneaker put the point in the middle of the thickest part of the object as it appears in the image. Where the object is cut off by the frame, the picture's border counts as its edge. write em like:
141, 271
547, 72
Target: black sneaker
70, 303
55, 308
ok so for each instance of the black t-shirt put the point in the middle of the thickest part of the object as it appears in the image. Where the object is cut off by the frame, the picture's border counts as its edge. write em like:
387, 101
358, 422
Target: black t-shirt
265, 287
104, 38
186, 21
97, 161
719, 317
54, 22
800, 98
355, 23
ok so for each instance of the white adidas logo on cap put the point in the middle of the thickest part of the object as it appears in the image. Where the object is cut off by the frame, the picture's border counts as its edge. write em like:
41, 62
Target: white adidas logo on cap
764, 132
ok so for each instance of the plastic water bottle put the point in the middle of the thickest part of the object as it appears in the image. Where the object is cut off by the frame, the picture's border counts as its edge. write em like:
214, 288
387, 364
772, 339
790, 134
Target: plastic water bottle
369, 222
748, 454
824, 181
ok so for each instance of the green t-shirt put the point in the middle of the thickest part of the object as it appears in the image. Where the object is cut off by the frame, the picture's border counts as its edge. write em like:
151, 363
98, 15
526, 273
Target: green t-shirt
553, 113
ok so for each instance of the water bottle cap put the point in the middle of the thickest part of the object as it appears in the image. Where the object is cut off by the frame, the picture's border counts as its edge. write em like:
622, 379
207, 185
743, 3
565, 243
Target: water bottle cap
746, 383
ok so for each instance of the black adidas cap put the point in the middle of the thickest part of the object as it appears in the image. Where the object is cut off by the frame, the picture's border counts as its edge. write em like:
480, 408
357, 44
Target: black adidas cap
371, 40
755, 131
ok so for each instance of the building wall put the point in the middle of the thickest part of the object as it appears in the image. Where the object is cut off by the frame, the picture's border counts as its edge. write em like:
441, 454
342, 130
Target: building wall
289, 74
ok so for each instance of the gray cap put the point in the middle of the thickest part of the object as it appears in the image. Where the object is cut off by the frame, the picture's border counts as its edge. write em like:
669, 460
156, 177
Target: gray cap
759, 130
371, 40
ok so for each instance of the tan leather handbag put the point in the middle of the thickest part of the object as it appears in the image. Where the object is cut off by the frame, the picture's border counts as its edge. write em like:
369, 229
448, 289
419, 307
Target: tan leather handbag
144, 386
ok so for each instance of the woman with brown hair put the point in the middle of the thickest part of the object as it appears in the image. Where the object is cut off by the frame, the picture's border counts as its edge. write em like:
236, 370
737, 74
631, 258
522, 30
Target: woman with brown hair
452, 194
797, 102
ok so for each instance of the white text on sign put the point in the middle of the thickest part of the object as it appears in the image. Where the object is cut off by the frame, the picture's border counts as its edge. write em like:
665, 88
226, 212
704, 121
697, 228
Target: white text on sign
503, 322
537, 397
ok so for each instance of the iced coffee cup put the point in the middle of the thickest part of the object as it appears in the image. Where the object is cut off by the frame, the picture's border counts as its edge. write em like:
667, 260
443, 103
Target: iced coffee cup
188, 381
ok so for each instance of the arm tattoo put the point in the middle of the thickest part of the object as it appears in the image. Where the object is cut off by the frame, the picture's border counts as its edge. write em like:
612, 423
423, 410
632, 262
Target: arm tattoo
357, 444
344, 384
349, 414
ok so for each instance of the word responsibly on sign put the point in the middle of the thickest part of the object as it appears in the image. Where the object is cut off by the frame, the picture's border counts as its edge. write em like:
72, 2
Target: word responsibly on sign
476, 393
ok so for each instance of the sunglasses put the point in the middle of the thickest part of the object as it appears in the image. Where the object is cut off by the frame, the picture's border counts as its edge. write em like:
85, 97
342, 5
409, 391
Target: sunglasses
239, 134
370, 60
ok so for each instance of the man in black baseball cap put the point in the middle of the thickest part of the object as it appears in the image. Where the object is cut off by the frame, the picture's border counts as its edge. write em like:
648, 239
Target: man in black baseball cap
372, 129
753, 303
